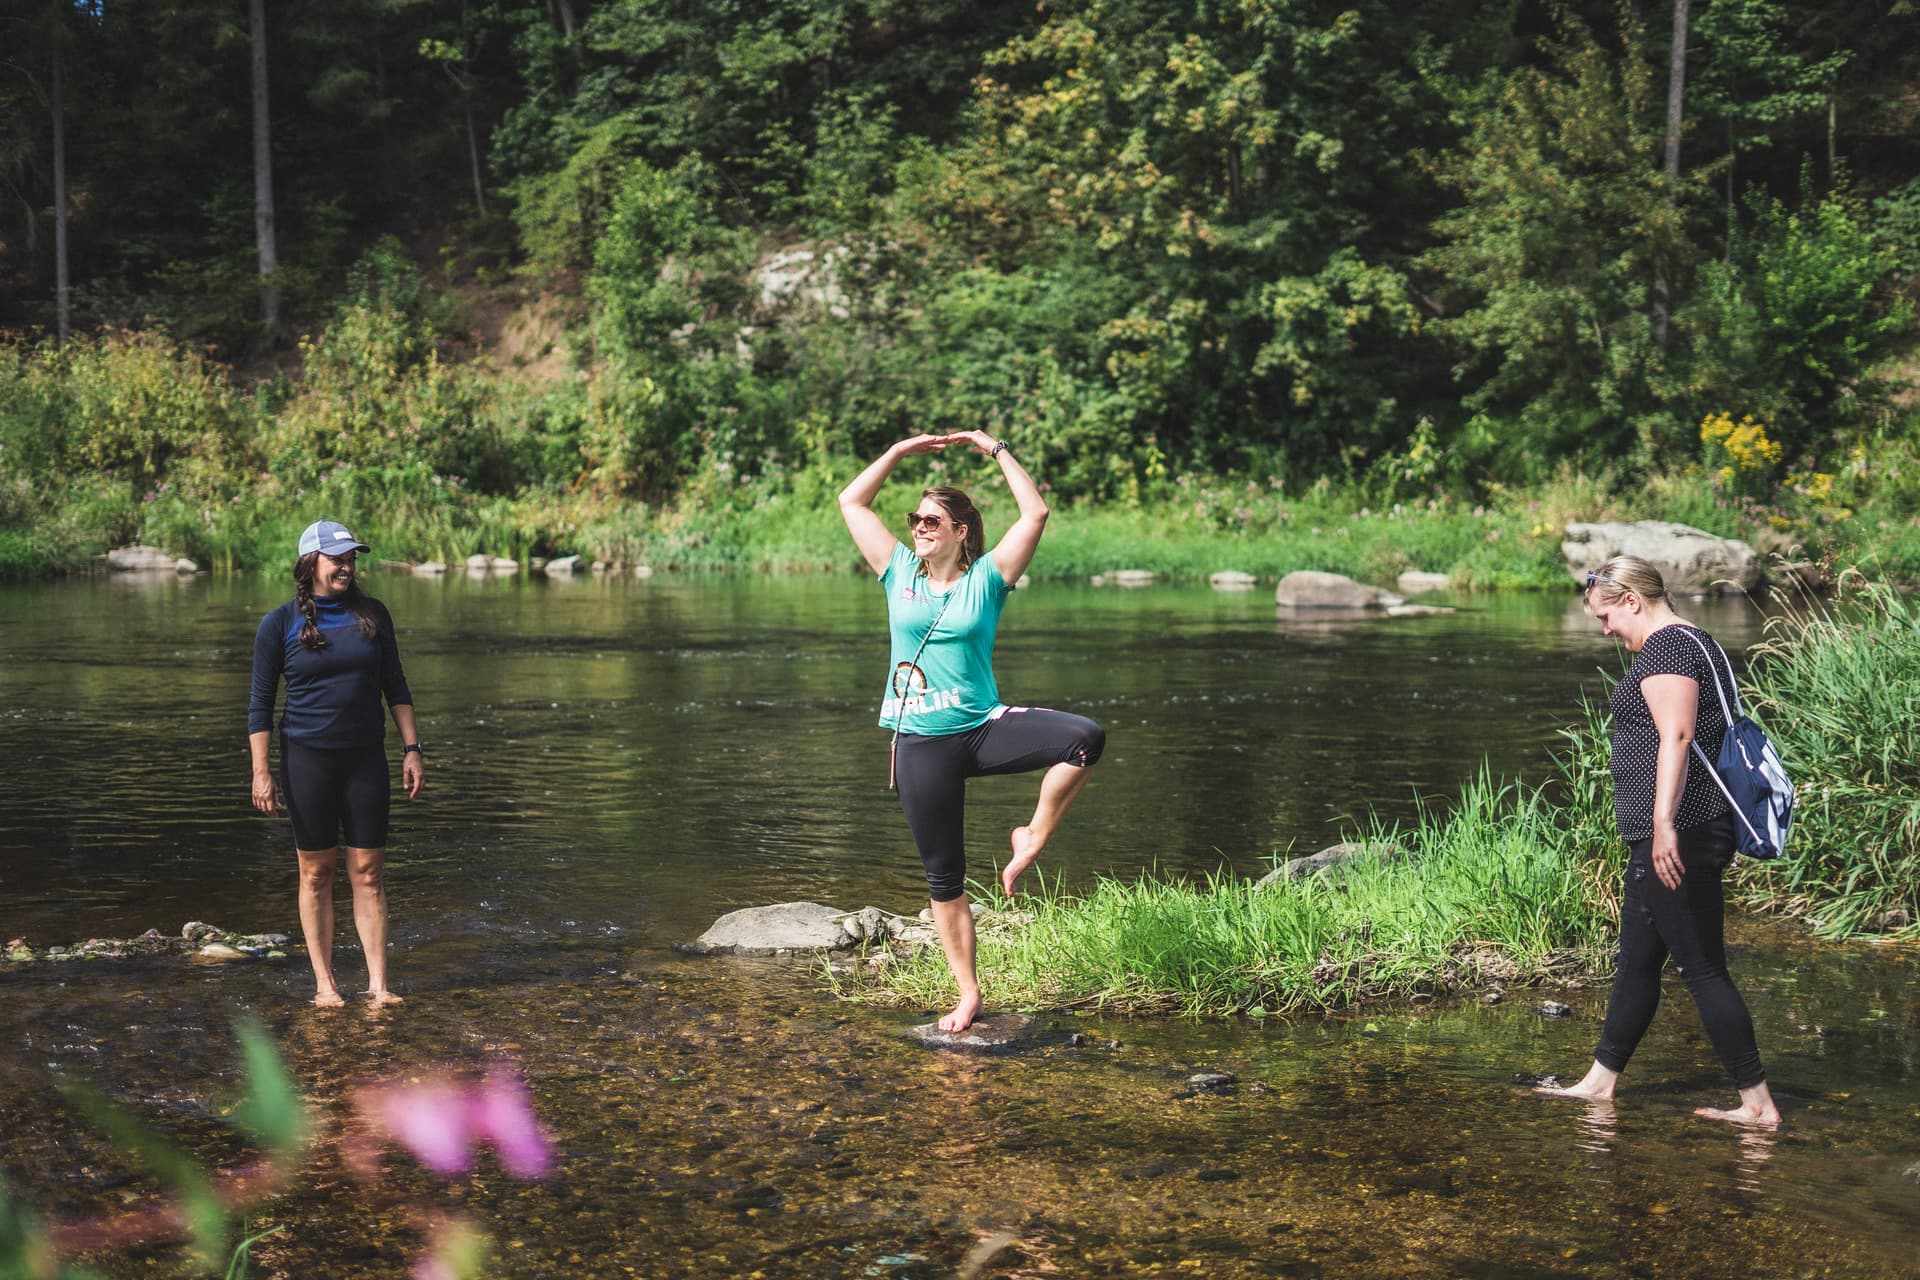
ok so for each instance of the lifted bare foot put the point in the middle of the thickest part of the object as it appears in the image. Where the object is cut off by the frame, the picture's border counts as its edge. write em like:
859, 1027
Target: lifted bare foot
329, 999
382, 997
1754, 1119
962, 1015
1025, 851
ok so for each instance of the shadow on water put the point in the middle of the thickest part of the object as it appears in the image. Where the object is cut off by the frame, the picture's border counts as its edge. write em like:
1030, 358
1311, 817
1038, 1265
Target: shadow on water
615, 764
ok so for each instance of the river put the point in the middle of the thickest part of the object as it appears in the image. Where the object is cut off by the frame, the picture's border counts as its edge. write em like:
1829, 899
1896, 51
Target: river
615, 762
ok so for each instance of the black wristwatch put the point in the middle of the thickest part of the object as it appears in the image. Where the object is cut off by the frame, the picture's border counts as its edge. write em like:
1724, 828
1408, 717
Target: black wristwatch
413, 746
999, 449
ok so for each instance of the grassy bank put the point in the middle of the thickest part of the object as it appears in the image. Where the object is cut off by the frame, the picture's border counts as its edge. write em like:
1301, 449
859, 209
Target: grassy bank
1507, 884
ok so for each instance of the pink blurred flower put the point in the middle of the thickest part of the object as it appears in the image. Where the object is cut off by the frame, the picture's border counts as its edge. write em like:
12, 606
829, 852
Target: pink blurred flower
443, 1121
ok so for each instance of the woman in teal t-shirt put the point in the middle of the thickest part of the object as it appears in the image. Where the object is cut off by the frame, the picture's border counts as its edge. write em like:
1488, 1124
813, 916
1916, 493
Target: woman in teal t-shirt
944, 596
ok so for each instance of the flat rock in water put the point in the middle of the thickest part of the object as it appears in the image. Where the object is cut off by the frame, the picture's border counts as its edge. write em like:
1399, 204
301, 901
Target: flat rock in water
994, 1031
1311, 589
781, 929
1231, 580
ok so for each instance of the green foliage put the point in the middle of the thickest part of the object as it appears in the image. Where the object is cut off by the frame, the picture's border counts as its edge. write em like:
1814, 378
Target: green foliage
1566, 225
1792, 323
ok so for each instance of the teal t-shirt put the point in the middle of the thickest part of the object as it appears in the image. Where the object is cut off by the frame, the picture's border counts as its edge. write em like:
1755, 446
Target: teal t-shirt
952, 688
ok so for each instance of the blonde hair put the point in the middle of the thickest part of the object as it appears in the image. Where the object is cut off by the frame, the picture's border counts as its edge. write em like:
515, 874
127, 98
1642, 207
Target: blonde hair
1622, 574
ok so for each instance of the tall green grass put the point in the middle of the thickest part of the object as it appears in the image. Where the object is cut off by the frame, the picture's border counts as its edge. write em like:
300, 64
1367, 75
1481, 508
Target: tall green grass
1838, 689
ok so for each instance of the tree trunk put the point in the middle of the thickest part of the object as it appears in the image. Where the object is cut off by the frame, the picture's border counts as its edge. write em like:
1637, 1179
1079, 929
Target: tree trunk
263, 178
473, 155
1676, 92
1833, 139
62, 288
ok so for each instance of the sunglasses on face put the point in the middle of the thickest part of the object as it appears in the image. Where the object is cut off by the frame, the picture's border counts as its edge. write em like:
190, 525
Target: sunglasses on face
916, 521
1593, 576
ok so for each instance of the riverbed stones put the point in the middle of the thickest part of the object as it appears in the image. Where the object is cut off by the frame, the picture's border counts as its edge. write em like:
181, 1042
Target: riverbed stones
783, 929
1692, 561
1553, 1009
219, 952
563, 566
994, 1032
1210, 1081
1312, 589
429, 569
1231, 580
1130, 577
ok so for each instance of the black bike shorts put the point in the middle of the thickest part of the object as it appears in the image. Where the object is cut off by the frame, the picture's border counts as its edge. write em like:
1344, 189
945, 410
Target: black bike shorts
336, 795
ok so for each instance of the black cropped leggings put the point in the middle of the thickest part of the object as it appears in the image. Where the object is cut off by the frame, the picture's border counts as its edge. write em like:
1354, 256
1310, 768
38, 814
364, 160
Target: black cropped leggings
1686, 923
932, 773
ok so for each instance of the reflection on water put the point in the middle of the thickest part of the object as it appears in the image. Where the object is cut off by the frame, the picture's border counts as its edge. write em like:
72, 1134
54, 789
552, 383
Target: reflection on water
615, 763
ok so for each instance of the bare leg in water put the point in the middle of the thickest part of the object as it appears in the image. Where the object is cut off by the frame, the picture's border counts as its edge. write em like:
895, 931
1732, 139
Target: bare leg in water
954, 921
1756, 1102
1057, 791
366, 872
316, 920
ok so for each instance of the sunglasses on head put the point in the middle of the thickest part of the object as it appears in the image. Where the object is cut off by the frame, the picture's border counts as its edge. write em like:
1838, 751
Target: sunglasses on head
916, 521
1593, 576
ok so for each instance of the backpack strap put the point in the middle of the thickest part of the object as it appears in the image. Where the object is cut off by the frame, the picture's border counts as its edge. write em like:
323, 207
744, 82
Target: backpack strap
1713, 772
1728, 716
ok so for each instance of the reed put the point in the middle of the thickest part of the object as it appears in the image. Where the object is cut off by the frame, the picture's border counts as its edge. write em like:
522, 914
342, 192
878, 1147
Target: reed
1838, 689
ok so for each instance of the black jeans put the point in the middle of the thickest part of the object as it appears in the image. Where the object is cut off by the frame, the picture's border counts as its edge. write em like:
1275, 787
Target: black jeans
1686, 923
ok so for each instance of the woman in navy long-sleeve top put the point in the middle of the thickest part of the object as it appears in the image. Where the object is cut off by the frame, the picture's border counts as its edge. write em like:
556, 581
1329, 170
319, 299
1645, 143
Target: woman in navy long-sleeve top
335, 648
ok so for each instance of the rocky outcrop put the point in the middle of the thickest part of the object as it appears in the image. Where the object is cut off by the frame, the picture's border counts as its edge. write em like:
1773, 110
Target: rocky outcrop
1231, 580
1692, 561
1311, 589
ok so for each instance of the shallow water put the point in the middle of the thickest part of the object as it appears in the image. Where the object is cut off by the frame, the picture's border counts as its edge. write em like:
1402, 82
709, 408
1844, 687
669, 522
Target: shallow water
615, 763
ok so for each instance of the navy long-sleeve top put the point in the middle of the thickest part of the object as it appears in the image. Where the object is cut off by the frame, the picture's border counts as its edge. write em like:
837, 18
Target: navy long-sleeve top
333, 694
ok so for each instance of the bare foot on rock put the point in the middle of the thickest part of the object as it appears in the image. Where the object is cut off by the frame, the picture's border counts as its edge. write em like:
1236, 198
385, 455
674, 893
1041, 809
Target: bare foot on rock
329, 999
378, 998
962, 1015
1025, 851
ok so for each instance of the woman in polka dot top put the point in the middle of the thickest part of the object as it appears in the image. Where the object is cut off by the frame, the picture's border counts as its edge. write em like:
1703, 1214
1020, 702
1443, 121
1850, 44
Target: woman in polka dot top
1679, 830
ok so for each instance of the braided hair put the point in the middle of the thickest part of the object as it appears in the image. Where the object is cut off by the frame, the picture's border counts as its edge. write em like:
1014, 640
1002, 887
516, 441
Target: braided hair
355, 601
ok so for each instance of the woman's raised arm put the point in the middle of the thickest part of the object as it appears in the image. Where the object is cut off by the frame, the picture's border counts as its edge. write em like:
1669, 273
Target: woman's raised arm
870, 533
1014, 552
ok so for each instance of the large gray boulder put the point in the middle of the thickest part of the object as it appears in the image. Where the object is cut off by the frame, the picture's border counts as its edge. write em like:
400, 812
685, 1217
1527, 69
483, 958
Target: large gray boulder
782, 929
1311, 589
1693, 561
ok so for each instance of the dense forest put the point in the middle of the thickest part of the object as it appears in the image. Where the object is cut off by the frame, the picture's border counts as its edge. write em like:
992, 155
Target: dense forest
516, 268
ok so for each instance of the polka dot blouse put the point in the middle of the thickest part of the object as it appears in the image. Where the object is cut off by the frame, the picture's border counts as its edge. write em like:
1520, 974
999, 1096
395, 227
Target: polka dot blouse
1636, 742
